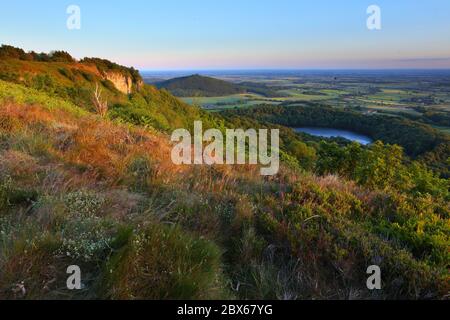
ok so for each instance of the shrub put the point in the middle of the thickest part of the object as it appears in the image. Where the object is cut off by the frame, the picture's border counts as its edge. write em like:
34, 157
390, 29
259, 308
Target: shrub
140, 171
164, 263
44, 83
10, 92
67, 73
84, 204
86, 239
61, 56
9, 76
14, 53
30, 270
88, 76
5, 192
109, 85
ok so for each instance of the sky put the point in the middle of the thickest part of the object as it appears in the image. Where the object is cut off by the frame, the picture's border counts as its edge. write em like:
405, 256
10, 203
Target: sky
236, 34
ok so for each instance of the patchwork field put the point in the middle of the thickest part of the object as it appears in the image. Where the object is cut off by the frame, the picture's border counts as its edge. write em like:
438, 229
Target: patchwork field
418, 95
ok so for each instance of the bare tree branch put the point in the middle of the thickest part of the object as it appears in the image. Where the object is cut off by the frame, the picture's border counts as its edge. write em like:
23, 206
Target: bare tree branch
101, 107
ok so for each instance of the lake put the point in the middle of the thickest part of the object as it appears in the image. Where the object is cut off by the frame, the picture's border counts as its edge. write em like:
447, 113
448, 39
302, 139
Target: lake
333, 133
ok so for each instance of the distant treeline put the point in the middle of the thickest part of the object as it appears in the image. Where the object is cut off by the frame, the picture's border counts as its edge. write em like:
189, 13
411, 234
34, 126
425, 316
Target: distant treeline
261, 89
432, 116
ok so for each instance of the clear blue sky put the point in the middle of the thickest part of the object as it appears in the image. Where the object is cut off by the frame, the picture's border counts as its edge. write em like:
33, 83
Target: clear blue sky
237, 34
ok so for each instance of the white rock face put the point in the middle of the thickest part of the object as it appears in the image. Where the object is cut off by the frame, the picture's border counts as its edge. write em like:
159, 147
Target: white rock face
122, 83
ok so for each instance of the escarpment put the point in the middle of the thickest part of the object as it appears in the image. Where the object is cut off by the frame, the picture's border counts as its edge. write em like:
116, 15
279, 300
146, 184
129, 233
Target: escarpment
122, 82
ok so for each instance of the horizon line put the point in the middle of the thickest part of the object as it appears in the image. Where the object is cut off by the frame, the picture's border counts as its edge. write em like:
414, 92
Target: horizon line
292, 69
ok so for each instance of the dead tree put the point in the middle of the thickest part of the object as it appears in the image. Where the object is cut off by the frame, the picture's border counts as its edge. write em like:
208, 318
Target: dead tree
101, 106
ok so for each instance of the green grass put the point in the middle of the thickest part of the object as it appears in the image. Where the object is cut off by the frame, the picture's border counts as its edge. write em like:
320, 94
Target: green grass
10, 92
142, 269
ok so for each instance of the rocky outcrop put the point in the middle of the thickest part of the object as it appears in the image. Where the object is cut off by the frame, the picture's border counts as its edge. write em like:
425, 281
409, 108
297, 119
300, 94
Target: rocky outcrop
122, 82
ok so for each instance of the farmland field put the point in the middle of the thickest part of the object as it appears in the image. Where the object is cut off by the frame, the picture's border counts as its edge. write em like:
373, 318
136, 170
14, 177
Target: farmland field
411, 94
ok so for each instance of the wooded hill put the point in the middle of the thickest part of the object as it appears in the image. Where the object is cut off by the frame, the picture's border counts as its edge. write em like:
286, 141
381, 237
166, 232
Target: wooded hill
200, 86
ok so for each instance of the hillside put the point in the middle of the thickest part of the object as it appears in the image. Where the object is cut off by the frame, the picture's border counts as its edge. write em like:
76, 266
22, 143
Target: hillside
201, 86
122, 88
99, 190
18, 66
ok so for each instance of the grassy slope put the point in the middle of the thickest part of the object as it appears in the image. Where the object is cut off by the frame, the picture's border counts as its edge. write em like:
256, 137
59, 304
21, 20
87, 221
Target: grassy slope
76, 189
75, 83
10, 92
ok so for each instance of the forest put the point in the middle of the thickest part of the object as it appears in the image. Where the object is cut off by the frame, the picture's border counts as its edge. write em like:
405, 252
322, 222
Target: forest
419, 141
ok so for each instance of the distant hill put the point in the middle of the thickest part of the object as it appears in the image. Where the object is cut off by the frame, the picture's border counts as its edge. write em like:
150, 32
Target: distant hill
200, 86
197, 85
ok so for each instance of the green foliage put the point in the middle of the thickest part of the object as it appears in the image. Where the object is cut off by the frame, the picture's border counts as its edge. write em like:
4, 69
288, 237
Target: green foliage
160, 110
196, 233
140, 170
60, 77
9, 76
61, 56
109, 85
335, 228
13, 53
23, 95
414, 137
11, 195
144, 269
303, 153
86, 239
201, 86
417, 223
380, 166
105, 66
197, 85
83, 204
67, 73
88, 76
5, 192
43, 83
293, 150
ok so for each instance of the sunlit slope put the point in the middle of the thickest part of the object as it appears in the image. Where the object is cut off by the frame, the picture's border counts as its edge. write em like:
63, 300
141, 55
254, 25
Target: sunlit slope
79, 189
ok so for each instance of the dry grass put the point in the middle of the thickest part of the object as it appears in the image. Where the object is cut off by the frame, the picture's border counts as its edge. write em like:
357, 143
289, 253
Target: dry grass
290, 236
102, 148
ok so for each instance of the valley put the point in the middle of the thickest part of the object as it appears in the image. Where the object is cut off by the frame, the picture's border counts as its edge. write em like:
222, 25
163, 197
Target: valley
195, 156
88, 179
413, 94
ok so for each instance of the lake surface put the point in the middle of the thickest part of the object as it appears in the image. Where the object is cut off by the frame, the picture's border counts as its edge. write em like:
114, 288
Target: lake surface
333, 133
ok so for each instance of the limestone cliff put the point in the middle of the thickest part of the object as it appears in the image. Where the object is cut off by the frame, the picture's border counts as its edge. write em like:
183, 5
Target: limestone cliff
122, 82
